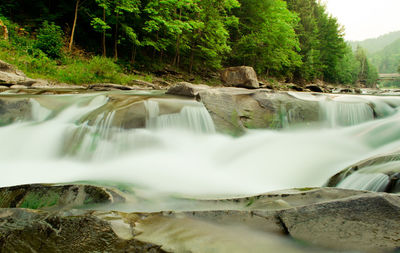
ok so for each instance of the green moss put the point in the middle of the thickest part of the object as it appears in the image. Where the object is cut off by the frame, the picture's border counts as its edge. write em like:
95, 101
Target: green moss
35, 201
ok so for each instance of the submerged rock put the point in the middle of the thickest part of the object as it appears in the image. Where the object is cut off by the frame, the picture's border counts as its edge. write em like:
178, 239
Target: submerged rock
14, 109
242, 76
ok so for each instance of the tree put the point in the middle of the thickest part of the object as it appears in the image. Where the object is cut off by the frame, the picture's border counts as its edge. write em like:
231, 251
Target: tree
266, 38
50, 40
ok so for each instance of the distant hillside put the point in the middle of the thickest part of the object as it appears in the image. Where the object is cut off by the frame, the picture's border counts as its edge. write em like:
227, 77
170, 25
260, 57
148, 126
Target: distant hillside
387, 60
377, 44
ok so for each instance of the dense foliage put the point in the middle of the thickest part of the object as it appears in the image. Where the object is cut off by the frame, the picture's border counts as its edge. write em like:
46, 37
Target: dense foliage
292, 39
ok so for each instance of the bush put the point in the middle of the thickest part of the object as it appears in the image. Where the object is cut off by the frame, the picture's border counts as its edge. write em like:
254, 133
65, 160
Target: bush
50, 40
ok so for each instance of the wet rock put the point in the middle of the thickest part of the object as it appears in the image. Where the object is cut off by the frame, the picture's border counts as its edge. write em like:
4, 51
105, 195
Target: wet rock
329, 218
14, 109
38, 196
242, 76
25, 230
368, 222
234, 109
187, 89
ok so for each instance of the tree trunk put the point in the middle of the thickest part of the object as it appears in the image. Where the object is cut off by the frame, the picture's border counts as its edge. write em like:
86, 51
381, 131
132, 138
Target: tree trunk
71, 41
116, 39
104, 34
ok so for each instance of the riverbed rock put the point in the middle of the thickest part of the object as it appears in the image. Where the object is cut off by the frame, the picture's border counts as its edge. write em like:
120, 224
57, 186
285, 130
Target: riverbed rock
242, 76
368, 223
108, 87
187, 89
323, 219
14, 109
10, 76
39, 196
25, 230
235, 109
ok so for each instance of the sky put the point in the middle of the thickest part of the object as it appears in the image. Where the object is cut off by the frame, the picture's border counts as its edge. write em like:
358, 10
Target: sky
364, 19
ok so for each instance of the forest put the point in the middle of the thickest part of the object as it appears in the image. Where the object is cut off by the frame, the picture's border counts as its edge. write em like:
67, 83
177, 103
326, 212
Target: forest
292, 40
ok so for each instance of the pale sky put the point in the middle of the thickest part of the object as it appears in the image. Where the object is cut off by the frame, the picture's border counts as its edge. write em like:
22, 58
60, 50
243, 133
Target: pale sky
364, 19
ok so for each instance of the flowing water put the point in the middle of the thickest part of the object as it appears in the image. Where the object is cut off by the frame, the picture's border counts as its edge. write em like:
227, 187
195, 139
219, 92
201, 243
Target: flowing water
174, 148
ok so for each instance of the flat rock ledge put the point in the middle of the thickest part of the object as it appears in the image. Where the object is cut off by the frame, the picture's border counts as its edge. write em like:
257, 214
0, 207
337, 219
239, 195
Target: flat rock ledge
323, 219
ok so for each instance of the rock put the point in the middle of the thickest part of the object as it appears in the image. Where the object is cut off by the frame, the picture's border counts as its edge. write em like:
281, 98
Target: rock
315, 88
242, 76
14, 109
234, 109
146, 84
18, 86
10, 76
56, 196
108, 86
334, 219
186, 89
368, 223
25, 230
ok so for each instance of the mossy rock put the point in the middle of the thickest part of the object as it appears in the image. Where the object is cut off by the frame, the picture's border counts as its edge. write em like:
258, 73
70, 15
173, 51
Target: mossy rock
38, 196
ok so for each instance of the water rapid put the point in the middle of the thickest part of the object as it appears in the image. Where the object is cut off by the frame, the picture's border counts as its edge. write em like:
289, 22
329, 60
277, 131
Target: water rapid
170, 145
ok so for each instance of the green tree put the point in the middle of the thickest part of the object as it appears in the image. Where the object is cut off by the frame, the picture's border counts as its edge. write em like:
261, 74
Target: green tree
265, 38
50, 40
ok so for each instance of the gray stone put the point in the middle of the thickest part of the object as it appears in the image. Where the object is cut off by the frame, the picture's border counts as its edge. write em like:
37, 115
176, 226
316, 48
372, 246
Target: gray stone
187, 89
242, 76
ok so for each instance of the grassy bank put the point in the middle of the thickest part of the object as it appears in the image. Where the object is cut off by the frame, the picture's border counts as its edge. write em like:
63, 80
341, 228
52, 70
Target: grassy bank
34, 58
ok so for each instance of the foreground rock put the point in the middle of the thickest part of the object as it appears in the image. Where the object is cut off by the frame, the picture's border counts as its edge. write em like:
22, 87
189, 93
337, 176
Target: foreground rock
243, 76
327, 218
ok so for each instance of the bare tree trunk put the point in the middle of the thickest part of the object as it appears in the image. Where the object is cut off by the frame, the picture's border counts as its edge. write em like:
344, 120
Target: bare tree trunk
104, 34
116, 39
71, 42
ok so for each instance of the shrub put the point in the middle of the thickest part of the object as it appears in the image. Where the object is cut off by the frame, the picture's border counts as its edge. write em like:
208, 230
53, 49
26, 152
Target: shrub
50, 40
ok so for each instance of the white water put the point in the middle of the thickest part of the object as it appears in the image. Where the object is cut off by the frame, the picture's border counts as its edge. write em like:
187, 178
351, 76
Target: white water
180, 152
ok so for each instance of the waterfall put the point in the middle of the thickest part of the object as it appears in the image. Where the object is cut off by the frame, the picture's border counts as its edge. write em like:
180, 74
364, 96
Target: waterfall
174, 147
364, 181
339, 112
193, 116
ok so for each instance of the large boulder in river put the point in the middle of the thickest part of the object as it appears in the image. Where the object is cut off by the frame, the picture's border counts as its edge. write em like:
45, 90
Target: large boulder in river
242, 76
235, 109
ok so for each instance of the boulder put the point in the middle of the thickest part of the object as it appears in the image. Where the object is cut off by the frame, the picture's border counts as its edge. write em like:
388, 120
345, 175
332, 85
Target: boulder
38, 196
242, 76
24, 230
368, 222
14, 109
10, 76
186, 89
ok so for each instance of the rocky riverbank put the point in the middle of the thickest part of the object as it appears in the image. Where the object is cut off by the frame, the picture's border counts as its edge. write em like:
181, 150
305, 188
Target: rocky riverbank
50, 218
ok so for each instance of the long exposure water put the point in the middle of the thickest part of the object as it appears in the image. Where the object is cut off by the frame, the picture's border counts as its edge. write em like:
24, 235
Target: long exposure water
176, 150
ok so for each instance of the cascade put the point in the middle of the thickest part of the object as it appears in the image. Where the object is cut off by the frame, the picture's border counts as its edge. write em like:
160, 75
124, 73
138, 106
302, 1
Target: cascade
177, 150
